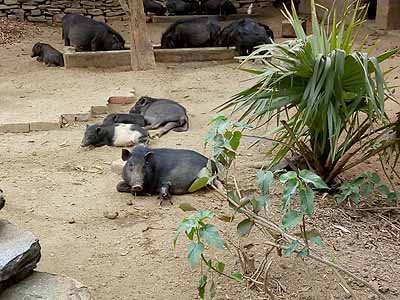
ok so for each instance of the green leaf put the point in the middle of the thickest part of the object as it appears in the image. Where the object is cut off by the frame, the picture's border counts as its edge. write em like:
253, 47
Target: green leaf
304, 252
194, 253
185, 225
220, 266
288, 176
366, 188
245, 227
307, 201
375, 178
383, 189
288, 192
202, 286
187, 207
291, 219
233, 195
237, 276
315, 239
264, 181
209, 233
212, 290
309, 177
291, 248
235, 140
198, 184
261, 202
202, 215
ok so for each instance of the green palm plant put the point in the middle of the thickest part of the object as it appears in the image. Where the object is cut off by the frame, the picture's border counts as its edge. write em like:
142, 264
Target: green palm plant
328, 99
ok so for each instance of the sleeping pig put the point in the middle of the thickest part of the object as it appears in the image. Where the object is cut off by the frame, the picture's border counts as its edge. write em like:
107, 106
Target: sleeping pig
162, 171
119, 135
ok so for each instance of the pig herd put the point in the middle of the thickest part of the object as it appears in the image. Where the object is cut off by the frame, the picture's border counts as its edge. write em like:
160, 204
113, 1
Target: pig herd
154, 171
86, 34
163, 172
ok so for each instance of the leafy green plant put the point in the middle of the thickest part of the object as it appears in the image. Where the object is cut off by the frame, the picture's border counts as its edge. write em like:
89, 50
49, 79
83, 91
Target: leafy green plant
362, 186
225, 137
200, 234
328, 100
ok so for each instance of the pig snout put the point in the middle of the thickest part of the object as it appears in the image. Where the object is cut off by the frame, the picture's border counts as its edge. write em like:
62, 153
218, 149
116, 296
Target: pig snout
137, 188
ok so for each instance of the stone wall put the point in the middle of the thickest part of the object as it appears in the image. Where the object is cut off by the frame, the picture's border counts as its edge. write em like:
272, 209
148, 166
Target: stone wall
52, 11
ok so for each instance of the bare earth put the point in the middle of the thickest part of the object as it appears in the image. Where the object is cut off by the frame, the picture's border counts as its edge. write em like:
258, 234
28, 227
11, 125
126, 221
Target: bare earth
61, 192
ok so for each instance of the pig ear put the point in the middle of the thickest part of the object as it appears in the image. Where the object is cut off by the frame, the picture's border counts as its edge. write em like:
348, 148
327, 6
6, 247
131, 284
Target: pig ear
125, 154
148, 156
115, 117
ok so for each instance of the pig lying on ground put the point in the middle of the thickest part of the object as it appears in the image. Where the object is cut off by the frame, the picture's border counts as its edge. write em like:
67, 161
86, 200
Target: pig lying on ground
86, 34
219, 7
151, 6
245, 34
2, 199
189, 33
125, 119
48, 55
183, 7
119, 135
164, 172
164, 113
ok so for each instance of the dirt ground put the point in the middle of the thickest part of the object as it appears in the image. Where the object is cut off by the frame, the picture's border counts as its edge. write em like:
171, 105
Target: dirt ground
60, 191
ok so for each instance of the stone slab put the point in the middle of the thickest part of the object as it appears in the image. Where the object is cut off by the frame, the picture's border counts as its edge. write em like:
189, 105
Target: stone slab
73, 118
43, 126
46, 286
15, 128
98, 110
115, 59
20, 253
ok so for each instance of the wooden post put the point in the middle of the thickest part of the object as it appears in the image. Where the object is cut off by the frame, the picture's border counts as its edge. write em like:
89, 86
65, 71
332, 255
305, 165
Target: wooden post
142, 54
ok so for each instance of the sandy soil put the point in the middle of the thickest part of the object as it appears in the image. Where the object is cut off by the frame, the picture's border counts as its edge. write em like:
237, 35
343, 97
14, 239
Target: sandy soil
61, 192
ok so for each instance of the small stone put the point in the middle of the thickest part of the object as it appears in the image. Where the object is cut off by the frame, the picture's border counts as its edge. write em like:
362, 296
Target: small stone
72, 221
372, 297
110, 215
125, 253
129, 202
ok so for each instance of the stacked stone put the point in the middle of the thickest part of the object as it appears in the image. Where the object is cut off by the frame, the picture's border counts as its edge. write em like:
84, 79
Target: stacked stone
52, 11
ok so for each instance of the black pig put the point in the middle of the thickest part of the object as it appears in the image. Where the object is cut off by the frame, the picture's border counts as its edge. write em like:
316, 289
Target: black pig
119, 135
137, 119
245, 34
195, 32
162, 172
164, 113
182, 7
90, 35
151, 6
48, 55
219, 7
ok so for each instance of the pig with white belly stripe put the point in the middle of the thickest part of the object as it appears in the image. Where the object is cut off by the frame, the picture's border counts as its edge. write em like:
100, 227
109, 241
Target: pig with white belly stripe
119, 135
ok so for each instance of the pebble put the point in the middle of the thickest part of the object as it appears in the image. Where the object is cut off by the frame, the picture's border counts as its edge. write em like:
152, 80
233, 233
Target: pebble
383, 289
129, 201
72, 221
372, 297
110, 215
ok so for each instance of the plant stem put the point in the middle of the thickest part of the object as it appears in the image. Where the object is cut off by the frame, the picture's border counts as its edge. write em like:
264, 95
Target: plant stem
215, 270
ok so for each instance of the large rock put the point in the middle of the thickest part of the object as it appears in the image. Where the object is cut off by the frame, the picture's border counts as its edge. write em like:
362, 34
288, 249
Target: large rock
46, 286
19, 254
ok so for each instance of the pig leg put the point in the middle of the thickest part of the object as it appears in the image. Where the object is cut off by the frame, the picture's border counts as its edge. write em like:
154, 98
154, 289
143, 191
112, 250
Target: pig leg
167, 127
165, 193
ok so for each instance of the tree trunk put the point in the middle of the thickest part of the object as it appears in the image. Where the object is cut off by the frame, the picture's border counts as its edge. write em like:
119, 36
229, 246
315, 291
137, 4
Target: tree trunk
142, 54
